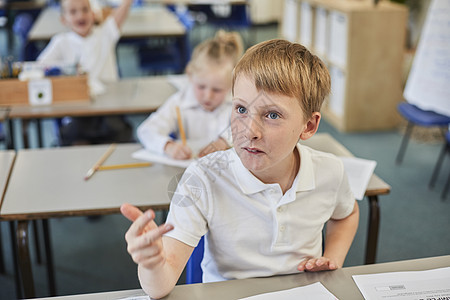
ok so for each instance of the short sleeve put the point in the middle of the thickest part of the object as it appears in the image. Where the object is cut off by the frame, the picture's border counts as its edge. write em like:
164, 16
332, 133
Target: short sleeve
188, 208
345, 200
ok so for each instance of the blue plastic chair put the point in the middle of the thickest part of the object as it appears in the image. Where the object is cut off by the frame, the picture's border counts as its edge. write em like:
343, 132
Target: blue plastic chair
437, 168
194, 271
417, 116
21, 27
169, 55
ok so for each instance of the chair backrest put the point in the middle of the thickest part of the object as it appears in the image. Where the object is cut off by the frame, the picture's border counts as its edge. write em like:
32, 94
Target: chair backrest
194, 271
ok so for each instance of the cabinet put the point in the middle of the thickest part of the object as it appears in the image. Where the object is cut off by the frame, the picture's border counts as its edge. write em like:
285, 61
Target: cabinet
363, 46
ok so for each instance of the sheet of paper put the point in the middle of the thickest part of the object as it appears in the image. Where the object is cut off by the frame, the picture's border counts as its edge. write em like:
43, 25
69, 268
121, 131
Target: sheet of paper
359, 171
290, 20
413, 285
162, 159
337, 96
306, 18
321, 37
314, 291
136, 298
337, 50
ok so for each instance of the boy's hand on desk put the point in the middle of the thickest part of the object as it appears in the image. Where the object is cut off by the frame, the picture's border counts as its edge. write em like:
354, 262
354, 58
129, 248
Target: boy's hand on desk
317, 264
177, 150
144, 236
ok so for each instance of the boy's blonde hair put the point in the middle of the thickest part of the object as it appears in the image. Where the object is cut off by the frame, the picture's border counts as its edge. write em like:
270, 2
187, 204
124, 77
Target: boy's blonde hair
281, 67
224, 47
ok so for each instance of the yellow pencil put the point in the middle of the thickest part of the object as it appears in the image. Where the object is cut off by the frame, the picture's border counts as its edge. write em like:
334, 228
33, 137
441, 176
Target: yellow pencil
95, 167
125, 166
180, 126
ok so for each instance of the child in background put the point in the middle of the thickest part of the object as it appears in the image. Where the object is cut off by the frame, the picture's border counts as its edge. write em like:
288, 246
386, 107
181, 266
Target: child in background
205, 103
92, 48
263, 204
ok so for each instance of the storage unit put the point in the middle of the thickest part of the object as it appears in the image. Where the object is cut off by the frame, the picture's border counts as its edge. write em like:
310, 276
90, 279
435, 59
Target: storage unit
363, 46
63, 89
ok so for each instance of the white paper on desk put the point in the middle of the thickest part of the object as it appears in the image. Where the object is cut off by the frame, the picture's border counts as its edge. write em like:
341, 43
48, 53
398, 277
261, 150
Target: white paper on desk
358, 171
413, 285
136, 298
314, 291
162, 159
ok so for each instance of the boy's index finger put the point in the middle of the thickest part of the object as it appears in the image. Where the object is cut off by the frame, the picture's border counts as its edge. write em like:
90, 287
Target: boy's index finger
130, 212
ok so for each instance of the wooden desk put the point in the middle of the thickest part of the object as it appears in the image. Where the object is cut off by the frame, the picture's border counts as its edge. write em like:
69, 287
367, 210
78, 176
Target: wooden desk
143, 22
325, 142
6, 164
60, 191
141, 95
338, 282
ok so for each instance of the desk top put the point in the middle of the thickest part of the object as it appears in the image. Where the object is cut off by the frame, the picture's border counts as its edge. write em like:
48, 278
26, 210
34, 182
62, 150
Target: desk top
127, 96
50, 182
326, 143
55, 187
151, 21
6, 163
338, 282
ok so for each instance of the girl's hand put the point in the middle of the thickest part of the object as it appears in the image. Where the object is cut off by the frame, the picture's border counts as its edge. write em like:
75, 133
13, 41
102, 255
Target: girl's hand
317, 264
144, 237
177, 150
217, 145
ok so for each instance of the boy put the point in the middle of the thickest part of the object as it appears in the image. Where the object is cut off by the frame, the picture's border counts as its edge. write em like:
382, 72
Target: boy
261, 205
92, 48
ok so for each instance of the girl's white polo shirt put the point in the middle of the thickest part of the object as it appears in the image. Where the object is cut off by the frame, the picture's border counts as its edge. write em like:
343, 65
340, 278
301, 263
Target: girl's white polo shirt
251, 228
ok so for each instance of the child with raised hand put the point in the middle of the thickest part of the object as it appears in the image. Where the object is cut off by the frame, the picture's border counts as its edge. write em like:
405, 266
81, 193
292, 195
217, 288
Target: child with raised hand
92, 49
263, 204
205, 103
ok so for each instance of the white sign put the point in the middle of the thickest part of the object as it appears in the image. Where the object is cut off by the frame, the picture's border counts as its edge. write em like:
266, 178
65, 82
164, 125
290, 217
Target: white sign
40, 92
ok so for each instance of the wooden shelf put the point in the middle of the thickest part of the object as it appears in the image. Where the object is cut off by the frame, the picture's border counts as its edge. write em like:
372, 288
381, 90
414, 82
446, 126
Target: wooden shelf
363, 46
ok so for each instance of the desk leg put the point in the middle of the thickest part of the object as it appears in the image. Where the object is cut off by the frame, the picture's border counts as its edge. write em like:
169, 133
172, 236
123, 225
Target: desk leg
24, 259
49, 256
372, 235
12, 230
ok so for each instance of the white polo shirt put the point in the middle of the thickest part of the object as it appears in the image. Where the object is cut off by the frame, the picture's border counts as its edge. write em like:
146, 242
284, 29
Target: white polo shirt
201, 127
251, 228
95, 53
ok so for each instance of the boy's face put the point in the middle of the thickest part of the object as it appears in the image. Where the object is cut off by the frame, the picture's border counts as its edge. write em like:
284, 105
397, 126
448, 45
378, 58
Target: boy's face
211, 86
266, 129
78, 16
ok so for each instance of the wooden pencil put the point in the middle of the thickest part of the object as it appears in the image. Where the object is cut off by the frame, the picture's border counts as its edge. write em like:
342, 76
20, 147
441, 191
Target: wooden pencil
95, 167
180, 126
125, 166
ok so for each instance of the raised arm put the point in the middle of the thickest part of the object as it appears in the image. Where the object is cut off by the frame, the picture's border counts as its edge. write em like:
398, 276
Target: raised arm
339, 237
160, 260
120, 14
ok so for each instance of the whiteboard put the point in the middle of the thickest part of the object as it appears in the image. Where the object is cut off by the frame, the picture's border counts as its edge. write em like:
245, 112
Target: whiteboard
428, 84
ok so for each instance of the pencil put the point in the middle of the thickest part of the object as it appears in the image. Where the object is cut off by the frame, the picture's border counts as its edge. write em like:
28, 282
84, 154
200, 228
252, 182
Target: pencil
124, 166
180, 126
95, 167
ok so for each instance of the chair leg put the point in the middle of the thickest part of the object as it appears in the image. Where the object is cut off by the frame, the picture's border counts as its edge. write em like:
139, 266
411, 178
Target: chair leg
405, 140
2, 261
437, 168
36, 241
444, 192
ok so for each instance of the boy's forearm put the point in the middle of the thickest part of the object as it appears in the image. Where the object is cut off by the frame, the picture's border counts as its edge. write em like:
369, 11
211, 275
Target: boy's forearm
339, 236
121, 13
157, 283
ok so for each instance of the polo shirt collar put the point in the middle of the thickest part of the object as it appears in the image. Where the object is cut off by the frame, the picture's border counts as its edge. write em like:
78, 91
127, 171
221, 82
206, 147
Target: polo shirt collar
249, 184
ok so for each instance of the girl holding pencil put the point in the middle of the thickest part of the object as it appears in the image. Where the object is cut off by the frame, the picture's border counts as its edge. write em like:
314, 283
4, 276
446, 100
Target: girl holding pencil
199, 113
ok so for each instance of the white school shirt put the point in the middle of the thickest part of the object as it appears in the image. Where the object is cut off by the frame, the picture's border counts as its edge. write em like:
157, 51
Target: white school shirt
251, 229
201, 127
95, 53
